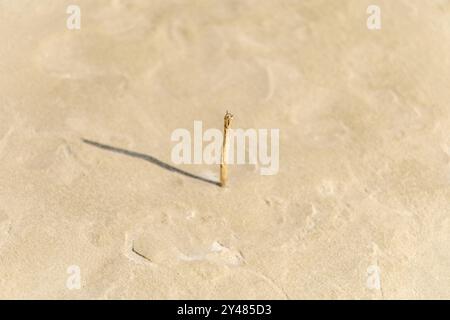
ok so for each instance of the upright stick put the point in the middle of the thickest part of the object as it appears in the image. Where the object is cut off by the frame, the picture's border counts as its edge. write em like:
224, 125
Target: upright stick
223, 164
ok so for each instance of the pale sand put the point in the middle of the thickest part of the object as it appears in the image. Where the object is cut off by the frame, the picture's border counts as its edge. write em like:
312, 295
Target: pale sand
364, 119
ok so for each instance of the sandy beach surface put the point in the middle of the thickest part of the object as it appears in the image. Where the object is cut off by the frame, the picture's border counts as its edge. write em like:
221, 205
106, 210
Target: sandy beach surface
359, 209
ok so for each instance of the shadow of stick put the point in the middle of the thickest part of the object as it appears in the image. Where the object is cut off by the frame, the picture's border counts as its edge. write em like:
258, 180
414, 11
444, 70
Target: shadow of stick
149, 159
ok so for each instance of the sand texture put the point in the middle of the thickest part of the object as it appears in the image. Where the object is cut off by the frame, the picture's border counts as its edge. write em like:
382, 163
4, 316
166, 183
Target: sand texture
363, 187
